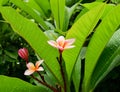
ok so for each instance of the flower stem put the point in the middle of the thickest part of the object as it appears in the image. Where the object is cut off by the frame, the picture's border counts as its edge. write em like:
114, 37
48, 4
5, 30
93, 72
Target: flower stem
44, 83
42, 77
62, 70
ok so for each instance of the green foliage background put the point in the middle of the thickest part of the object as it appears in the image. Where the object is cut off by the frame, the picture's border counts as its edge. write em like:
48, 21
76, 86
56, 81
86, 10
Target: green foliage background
94, 25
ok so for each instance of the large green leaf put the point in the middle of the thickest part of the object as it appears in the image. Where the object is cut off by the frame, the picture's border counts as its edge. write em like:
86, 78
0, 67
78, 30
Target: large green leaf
35, 37
115, 1
89, 6
58, 10
30, 11
99, 40
45, 6
76, 75
107, 61
2, 2
9, 84
32, 4
86, 8
80, 30
68, 14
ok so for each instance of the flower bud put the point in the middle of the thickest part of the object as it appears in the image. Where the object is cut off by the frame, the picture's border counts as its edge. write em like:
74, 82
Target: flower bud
23, 53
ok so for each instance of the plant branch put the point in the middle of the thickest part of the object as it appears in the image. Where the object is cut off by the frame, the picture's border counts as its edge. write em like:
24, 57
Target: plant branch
62, 70
42, 77
44, 83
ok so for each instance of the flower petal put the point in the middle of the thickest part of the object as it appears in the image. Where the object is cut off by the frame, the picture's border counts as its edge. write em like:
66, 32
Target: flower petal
69, 42
68, 47
60, 41
28, 72
37, 64
53, 43
40, 69
30, 66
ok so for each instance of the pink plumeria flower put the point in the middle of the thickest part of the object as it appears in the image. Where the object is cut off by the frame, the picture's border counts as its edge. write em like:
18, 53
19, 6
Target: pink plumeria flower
62, 44
33, 68
23, 53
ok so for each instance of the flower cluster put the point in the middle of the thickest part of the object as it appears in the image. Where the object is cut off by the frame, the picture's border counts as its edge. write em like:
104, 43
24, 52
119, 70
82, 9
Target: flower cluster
23, 53
61, 44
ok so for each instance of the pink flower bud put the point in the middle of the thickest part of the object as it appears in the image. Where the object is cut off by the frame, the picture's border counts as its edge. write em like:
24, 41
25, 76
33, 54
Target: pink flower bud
23, 53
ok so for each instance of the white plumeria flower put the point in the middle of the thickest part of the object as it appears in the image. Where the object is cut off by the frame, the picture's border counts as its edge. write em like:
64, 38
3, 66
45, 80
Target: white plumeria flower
33, 68
62, 44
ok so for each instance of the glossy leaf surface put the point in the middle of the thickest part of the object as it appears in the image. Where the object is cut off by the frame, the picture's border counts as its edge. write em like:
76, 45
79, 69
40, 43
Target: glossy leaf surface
31, 12
9, 84
107, 61
58, 10
99, 40
80, 30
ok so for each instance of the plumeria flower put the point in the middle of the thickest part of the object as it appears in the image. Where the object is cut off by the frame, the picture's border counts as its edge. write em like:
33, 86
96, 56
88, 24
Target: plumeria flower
23, 53
62, 44
33, 68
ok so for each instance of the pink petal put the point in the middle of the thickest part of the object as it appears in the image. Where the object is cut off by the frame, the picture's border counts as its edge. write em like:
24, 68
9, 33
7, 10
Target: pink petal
68, 47
60, 41
28, 72
30, 66
40, 69
52, 43
60, 38
37, 64
69, 42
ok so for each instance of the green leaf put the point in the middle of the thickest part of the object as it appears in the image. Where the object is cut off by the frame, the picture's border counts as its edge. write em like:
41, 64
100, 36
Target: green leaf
2, 2
107, 61
91, 5
45, 6
35, 37
58, 10
68, 14
99, 40
51, 34
12, 55
86, 8
30, 11
80, 30
115, 1
76, 75
9, 84
108, 8
32, 4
